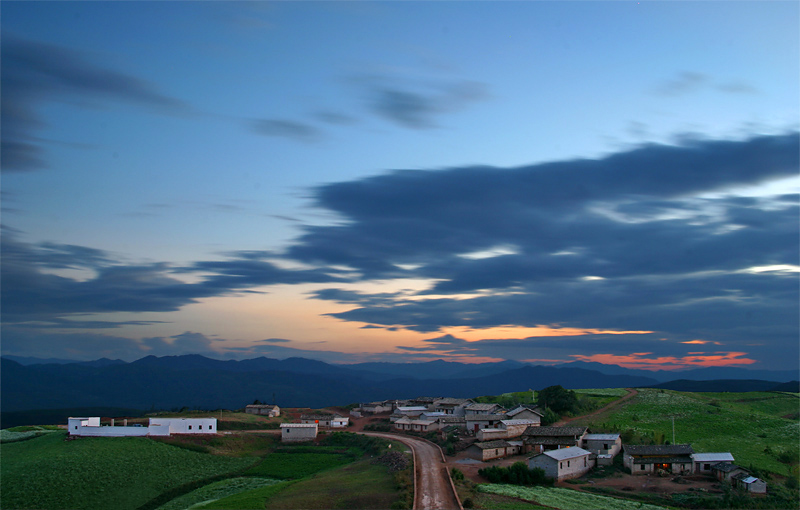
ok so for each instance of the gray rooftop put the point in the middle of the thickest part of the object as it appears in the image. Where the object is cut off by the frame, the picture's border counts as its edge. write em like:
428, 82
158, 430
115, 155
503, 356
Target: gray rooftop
660, 450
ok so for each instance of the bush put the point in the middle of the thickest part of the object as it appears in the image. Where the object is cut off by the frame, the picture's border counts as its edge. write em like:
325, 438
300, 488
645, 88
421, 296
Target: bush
456, 474
516, 474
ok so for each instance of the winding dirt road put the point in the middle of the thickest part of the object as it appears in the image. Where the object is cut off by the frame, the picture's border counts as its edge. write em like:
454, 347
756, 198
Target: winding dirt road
433, 488
632, 392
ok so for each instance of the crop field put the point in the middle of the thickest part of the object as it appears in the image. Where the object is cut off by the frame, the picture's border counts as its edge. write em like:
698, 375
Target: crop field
755, 427
48, 472
566, 499
289, 466
216, 491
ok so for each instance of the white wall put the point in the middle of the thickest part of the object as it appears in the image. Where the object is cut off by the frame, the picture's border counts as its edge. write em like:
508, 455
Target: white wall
187, 425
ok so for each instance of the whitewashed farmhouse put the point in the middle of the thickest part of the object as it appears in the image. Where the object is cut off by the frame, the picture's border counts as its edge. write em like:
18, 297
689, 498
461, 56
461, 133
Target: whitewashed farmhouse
294, 432
90, 427
563, 463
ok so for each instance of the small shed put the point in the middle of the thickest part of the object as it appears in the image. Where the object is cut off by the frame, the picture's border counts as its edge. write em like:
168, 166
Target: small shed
724, 471
294, 432
490, 450
749, 483
564, 463
268, 410
702, 463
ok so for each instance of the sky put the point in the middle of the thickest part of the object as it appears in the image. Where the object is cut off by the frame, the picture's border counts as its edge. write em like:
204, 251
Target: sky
545, 182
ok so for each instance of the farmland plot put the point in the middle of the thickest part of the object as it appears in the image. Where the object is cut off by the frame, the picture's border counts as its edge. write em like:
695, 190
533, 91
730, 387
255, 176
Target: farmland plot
98, 473
749, 425
565, 499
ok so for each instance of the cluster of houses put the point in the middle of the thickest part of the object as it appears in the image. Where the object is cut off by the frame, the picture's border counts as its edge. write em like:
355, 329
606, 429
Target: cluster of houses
310, 425
91, 427
562, 452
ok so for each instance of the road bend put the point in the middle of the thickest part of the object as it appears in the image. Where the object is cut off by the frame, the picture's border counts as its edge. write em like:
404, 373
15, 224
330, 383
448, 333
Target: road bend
433, 486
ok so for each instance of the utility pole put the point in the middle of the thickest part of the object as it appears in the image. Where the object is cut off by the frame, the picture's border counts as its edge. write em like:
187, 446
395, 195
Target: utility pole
673, 430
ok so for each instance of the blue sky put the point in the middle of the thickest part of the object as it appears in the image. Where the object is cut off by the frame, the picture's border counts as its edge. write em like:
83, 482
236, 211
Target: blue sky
348, 181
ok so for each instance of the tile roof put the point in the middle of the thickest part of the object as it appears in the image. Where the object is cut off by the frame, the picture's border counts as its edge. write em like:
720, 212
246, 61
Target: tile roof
661, 449
451, 401
522, 408
482, 407
726, 467
555, 431
499, 443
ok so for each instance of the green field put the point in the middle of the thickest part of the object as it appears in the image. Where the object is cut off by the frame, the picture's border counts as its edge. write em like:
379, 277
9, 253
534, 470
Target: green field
48, 472
755, 427
566, 499
357, 485
290, 466
209, 494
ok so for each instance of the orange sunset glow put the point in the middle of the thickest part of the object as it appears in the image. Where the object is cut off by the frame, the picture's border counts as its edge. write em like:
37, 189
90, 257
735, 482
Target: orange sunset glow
639, 360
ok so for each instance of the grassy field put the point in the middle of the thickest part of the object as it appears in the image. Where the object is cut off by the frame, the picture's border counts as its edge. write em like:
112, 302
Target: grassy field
566, 499
213, 492
96, 473
757, 428
357, 485
291, 466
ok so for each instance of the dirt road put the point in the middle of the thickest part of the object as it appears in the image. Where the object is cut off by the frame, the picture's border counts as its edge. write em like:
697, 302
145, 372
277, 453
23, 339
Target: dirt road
433, 487
631, 393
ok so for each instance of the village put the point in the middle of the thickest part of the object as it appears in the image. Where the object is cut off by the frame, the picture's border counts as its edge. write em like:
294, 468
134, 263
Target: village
491, 432
487, 433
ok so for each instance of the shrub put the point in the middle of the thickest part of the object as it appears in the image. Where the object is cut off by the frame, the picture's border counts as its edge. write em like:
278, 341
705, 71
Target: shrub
516, 474
456, 474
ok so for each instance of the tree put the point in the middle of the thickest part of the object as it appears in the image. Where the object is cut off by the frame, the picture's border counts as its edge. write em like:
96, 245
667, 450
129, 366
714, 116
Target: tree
558, 399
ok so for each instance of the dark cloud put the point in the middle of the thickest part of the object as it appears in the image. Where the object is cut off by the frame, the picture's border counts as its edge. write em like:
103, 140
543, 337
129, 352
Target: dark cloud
417, 106
294, 130
632, 241
91, 346
34, 291
35, 73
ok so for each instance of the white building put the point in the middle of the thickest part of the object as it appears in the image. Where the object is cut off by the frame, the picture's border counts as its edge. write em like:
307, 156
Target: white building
294, 432
90, 427
563, 463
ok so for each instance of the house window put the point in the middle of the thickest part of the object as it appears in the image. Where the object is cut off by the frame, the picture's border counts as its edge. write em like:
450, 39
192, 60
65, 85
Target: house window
567, 463
706, 467
641, 467
605, 446
584, 462
199, 427
190, 427
560, 465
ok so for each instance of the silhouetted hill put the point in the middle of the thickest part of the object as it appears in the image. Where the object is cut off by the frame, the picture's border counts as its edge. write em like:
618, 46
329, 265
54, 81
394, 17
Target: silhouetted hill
198, 382
791, 386
721, 385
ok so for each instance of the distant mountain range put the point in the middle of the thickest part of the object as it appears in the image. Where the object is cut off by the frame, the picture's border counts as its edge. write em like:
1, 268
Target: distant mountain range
198, 382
